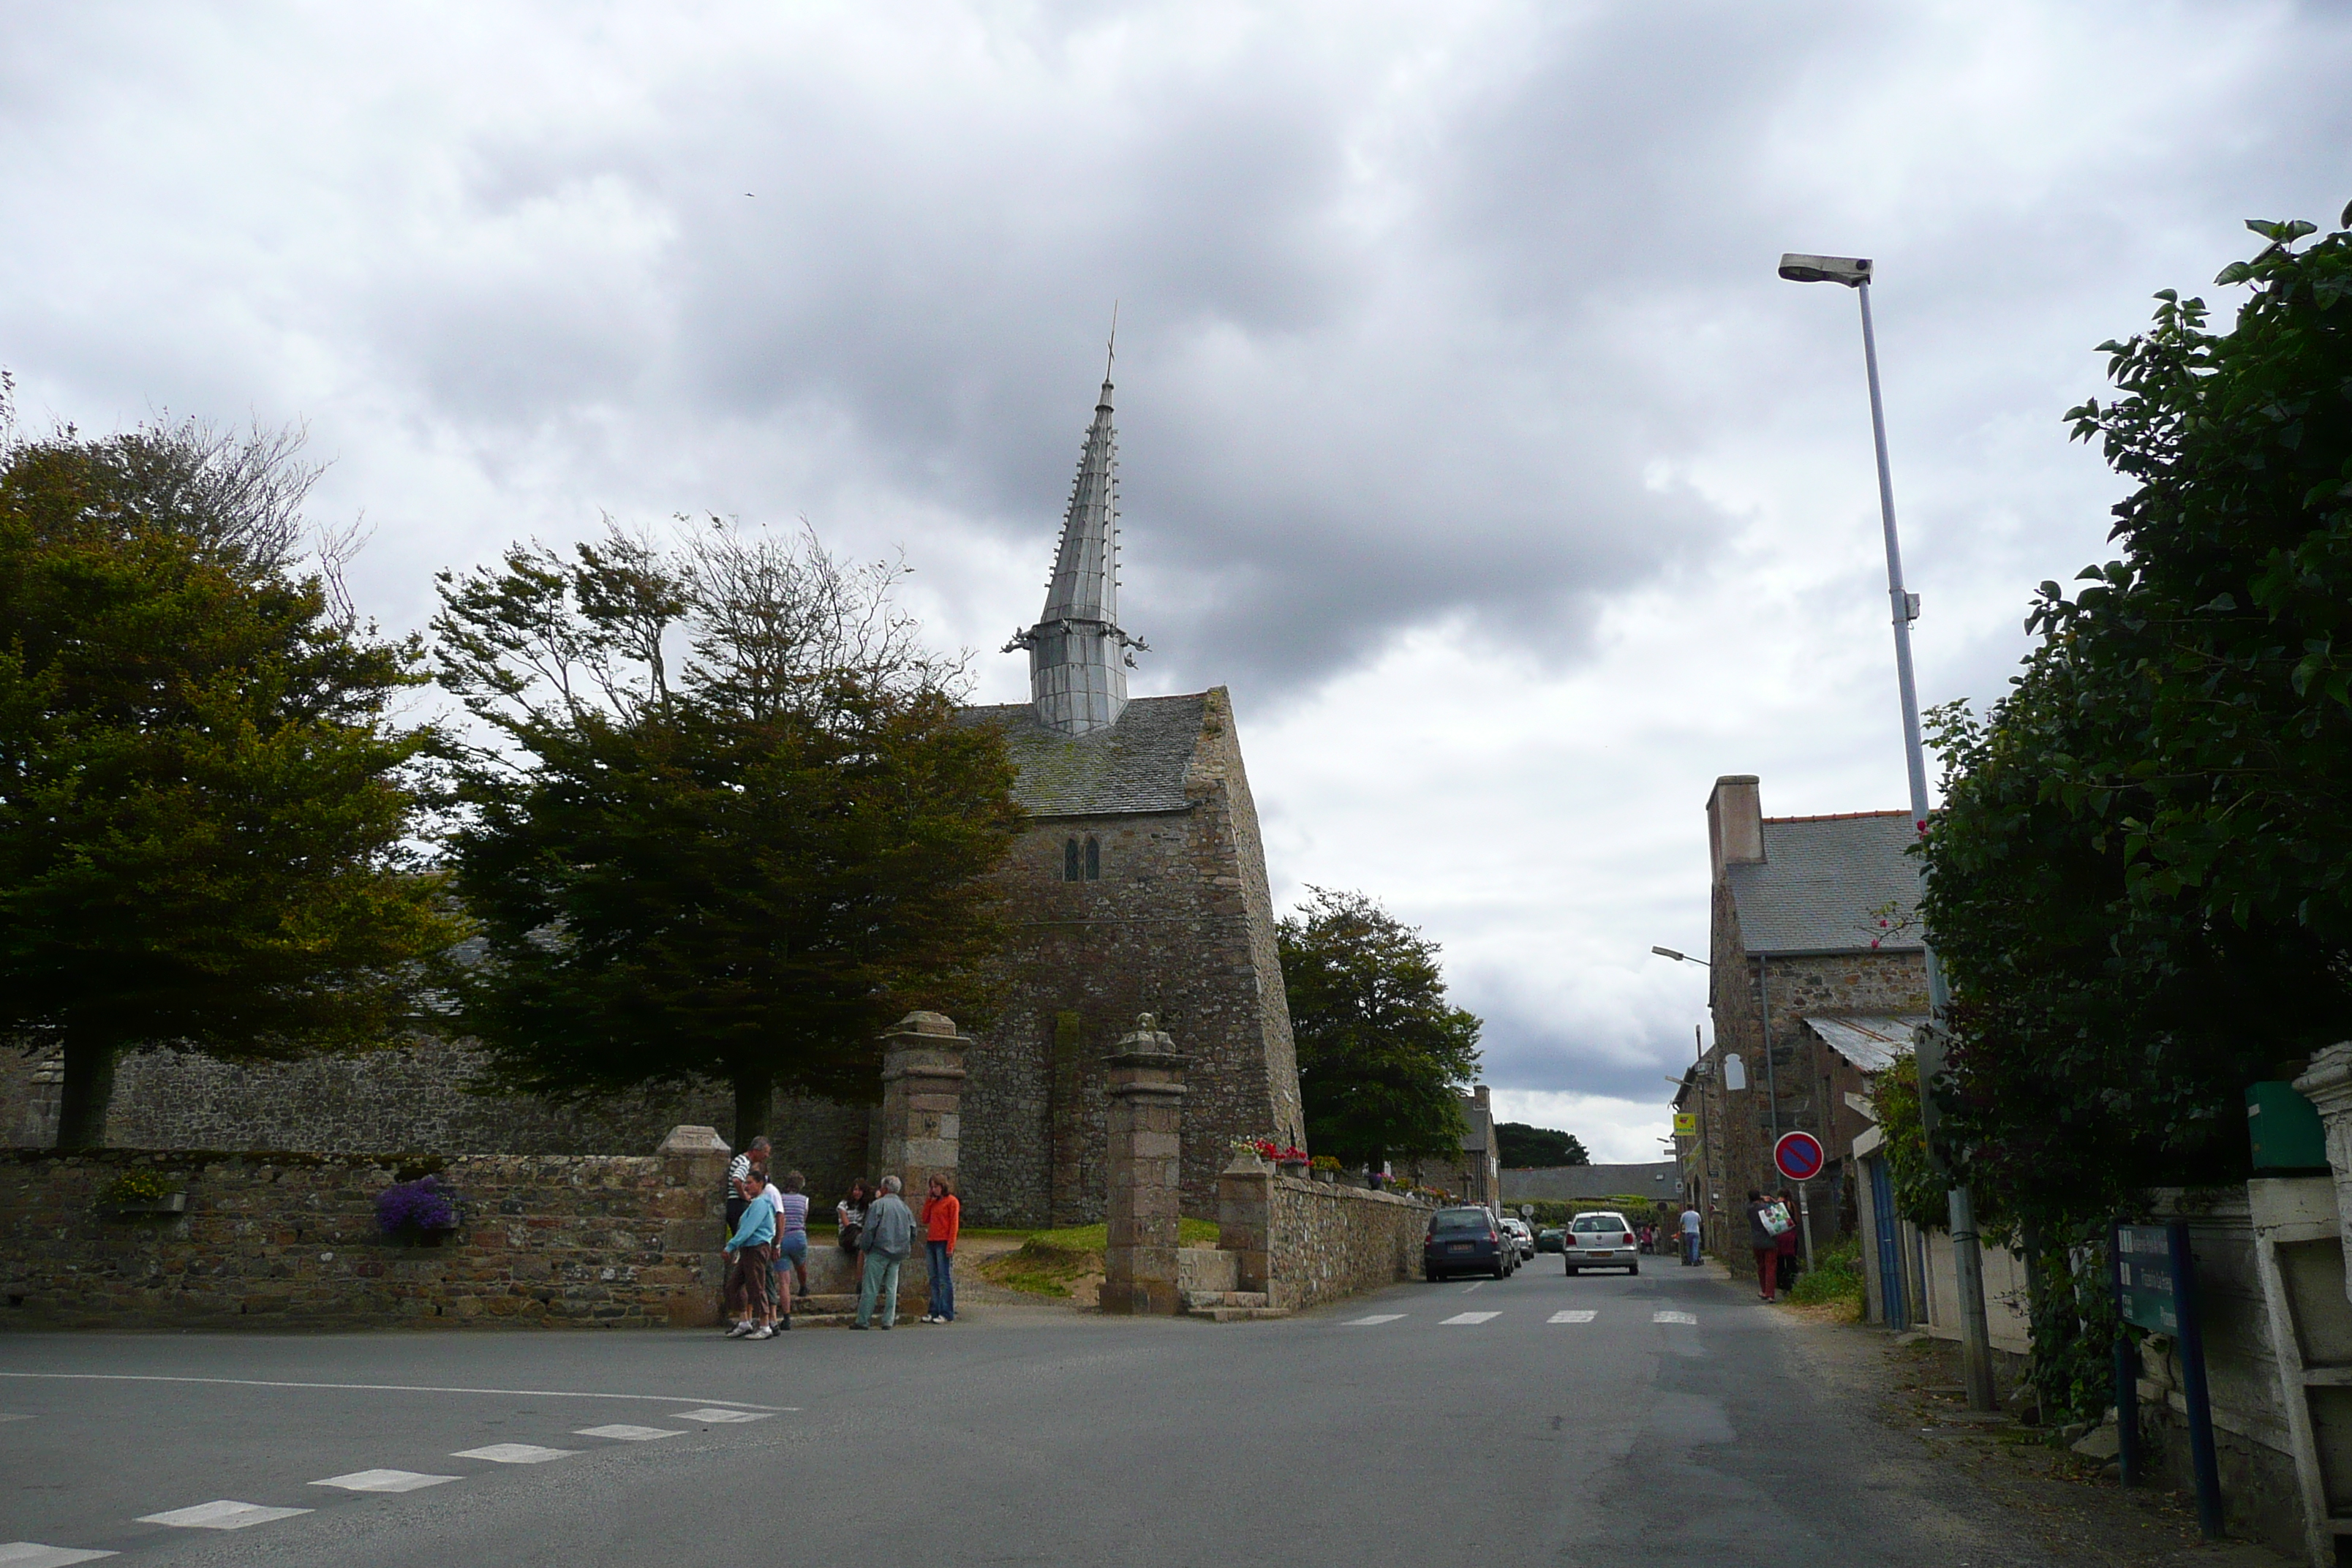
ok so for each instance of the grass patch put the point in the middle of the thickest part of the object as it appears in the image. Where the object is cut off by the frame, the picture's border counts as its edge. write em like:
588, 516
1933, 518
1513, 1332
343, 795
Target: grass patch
1835, 1279
1050, 1261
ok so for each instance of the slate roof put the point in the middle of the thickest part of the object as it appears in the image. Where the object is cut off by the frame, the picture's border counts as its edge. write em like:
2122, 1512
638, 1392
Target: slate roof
1137, 766
1660, 1179
1823, 879
1869, 1044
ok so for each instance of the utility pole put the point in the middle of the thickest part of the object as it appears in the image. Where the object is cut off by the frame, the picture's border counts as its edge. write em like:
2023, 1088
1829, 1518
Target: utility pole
1967, 1256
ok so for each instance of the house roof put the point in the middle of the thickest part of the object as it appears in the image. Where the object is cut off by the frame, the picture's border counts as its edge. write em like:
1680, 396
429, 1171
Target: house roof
1137, 766
1659, 1178
1869, 1043
1825, 882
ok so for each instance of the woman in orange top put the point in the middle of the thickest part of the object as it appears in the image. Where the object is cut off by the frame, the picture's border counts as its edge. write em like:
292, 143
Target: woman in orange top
943, 1217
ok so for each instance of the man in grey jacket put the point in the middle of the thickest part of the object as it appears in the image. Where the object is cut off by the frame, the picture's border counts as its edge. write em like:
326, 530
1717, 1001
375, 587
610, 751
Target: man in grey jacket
888, 1236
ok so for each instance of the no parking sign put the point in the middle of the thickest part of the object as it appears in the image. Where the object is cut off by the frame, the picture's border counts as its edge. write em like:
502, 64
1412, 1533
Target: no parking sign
1799, 1156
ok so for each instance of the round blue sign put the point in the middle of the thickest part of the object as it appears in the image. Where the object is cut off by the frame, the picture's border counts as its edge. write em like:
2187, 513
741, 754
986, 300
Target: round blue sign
1799, 1156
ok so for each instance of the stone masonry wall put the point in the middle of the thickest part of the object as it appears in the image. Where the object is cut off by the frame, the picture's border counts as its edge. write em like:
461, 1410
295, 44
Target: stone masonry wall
1302, 1242
290, 1241
1180, 925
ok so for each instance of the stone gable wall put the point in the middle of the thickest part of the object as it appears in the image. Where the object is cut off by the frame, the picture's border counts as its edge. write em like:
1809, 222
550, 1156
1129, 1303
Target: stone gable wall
288, 1240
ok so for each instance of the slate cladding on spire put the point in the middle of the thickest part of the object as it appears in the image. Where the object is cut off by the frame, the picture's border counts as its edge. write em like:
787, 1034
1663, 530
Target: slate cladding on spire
1078, 658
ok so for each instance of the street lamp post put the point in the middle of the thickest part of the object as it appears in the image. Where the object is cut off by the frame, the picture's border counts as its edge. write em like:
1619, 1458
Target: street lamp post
1968, 1257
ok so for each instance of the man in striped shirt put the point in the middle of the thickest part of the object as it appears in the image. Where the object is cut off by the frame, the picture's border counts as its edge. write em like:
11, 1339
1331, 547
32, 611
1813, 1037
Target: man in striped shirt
739, 1171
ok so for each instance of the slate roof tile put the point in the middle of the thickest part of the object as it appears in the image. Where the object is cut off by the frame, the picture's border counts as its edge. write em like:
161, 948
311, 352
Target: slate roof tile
1137, 766
1823, 881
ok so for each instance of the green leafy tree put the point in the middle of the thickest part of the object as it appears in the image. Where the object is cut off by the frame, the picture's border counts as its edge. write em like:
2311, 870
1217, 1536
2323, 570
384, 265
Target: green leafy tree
203, 803
1382, 1055
725, 823
2138, 882
1521, 1145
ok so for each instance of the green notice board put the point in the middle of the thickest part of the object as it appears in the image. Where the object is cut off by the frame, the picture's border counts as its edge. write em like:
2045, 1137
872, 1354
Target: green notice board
2145, 1276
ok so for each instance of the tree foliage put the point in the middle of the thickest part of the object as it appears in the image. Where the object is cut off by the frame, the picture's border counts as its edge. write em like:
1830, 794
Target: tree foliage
1520, 1146
2138, 882
203, 800
726, 825
1382, 1055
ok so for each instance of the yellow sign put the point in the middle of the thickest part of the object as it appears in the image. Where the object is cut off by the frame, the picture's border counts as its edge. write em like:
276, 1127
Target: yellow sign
1686, 1124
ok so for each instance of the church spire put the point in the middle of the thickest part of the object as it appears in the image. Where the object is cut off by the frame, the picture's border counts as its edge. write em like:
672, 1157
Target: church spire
1077, 655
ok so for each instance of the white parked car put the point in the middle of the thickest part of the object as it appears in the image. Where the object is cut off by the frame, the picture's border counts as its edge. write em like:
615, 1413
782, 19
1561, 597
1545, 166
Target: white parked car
1522, 1235
1602, 1241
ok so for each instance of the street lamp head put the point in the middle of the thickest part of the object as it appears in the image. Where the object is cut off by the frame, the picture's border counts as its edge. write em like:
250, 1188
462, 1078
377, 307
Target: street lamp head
1669, 952
1851, 270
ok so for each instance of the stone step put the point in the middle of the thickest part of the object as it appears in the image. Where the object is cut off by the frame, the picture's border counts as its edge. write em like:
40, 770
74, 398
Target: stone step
1202, 1301
1242, 1314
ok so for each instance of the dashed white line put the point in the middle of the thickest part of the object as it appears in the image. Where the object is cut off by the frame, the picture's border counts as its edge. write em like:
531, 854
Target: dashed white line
366, 1387
714, 1414
1584, 1316
1373, 1322
224, 1514
514, 1453
1471, 1317
383, 1481
620, 1432
33, 1555
1673, 1318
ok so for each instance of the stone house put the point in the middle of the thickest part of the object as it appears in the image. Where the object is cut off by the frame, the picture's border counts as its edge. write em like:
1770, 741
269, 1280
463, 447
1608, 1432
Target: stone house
1138, 884
1476, 1175
1817, 977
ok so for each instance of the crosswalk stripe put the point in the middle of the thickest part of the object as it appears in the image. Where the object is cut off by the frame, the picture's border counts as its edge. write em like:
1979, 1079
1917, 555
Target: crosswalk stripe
514, 1453
622, 1433
716, 1414
383, 1481
1672, 1318
224, 1514
1471, 1317
1583, 1317
1372, 1321
33, 1555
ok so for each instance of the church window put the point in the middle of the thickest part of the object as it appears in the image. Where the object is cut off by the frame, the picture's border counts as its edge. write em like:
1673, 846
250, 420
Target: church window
1070, 863
1094, 859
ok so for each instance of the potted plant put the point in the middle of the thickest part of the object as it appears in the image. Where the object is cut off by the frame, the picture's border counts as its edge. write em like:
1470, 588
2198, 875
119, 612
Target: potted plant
421, 1211
1326, 1169
143, 1192
1291, 1161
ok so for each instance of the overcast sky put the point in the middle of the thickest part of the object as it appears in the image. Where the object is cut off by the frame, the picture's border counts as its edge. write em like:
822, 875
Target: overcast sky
1466, 434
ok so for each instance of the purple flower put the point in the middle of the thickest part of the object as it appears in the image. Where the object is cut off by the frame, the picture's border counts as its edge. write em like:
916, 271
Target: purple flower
415, 1205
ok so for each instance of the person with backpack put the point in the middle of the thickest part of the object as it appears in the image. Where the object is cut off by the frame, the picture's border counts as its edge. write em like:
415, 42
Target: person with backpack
1764, 1241
1785, 1263
943, 1217
885, 1239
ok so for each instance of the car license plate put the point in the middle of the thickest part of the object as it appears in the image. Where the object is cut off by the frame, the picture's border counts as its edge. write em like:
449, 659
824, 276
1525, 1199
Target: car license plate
1457, 1246
1603, 1252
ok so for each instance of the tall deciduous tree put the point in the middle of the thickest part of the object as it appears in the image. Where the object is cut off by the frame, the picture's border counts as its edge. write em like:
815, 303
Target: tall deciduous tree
203, 800
725, 824
1382, 1055
1521, 1145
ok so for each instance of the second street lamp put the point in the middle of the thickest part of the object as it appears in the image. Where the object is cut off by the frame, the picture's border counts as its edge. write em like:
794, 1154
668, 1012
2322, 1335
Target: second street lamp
1968, 1259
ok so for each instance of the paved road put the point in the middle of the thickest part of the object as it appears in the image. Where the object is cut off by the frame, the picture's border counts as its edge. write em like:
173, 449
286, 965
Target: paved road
1536, 1420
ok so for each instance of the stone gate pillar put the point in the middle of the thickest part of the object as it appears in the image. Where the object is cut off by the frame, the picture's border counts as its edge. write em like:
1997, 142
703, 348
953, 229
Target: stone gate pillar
2327, 1084
1145, 1161
693, 1206
922, 1099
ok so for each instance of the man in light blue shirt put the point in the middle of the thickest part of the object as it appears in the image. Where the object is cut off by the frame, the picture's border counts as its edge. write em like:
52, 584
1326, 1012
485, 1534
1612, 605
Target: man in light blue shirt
751, 1262
888, 1236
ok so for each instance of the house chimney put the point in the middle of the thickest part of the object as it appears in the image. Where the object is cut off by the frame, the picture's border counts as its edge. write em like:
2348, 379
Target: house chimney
1478, 1094
1735, 823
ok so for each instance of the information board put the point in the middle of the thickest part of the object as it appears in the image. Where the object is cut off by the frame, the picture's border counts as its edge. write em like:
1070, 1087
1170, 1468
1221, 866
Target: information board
2147, 1281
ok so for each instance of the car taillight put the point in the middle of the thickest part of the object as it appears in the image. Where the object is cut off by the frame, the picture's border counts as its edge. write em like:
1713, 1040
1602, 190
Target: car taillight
1628, 1241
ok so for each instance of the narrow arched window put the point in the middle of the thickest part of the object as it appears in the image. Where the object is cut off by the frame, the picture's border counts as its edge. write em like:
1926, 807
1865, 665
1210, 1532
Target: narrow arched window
1094, 859
1070, 872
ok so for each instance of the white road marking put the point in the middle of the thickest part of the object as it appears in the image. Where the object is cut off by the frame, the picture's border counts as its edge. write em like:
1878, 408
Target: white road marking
717, 1415
1476, 1285
1571, 1316
1672, 1318
383, 1481
374, 1387
222, 1515
3, 1548
515, 1453
1471, 1317
624, 1433
1373, 1322
33, 1555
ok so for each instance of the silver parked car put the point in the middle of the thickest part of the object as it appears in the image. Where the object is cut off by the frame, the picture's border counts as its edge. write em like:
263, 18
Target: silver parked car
1602, 1241
1522, 1235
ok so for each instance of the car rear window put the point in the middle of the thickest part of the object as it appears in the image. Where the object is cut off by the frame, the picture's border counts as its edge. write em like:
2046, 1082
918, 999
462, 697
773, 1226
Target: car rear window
1456, 1221
1600, 1222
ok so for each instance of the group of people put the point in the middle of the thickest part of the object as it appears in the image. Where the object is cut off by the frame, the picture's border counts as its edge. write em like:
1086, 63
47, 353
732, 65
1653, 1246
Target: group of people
767, 1246
1772, 1237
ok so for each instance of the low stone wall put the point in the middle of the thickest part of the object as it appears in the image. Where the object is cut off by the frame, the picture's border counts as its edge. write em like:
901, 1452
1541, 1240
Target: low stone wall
285, 1240
1302, 1242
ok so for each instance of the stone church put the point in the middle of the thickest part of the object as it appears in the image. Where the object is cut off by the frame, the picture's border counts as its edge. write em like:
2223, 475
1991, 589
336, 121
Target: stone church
1137, 884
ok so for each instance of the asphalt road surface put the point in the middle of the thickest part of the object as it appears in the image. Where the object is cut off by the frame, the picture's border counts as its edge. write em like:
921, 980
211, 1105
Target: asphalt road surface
1662, 1419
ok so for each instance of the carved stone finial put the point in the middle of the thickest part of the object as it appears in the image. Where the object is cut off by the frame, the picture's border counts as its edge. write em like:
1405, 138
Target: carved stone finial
1147, 1022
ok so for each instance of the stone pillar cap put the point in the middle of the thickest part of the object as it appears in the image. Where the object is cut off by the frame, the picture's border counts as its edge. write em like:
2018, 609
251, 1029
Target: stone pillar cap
1146, 1038
922, 1023
692, 1140
2327, 1082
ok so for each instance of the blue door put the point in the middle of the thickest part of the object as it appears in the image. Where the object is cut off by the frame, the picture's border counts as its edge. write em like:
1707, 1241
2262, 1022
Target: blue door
1890, 1254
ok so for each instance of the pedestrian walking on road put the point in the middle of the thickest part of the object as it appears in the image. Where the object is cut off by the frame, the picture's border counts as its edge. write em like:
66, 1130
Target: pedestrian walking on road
792, 1240
943, 1217
849, 1215
1690, 1237
752, 1261
1785, 1264
1762, 1242
885, 1239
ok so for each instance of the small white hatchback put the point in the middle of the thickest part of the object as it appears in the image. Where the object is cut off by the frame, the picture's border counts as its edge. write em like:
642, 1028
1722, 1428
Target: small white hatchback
1601, 1240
